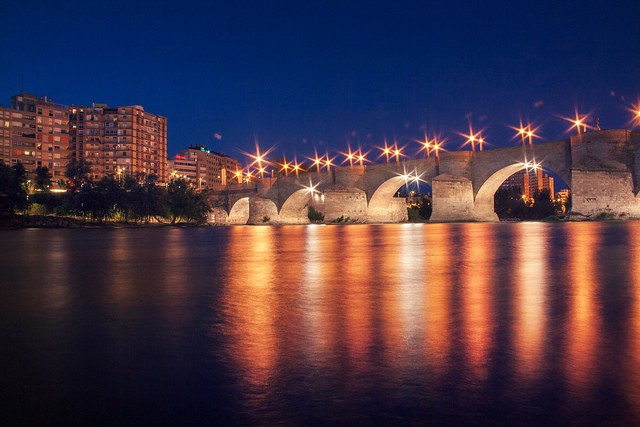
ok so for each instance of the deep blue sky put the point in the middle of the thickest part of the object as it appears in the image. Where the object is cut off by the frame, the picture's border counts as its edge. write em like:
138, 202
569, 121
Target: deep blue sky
308, 74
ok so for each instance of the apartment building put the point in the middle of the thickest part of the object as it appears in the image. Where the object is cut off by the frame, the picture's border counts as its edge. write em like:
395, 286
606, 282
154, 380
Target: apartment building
35, 132
123, 140
531, 183
203, 167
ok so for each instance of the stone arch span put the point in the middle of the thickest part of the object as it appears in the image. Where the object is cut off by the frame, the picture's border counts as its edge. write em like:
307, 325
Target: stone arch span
484, 200
383, 207
483, 204
294, 210
239, 212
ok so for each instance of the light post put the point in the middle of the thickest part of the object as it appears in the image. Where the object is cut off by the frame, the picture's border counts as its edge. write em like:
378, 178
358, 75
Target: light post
397, 152
472, 141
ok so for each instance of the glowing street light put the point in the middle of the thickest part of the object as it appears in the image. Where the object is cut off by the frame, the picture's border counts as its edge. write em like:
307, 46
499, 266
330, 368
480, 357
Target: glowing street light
238, 176
437, 146
579, 122
426, 146
297, 167
349, 156
472, 140
522, 132
285, 166
328, 162
530, 135
397, 152
316, 161
361, 157
386, 151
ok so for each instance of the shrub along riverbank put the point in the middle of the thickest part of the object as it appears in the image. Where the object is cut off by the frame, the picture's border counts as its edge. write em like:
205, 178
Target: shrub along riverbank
127, 200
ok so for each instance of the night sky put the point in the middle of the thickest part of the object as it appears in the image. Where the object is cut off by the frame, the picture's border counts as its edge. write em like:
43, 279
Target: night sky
311, 74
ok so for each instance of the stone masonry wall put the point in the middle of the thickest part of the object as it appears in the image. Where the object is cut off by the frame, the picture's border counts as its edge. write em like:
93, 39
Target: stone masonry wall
595, 192
347, 203
261, 209
398, 210
452, 199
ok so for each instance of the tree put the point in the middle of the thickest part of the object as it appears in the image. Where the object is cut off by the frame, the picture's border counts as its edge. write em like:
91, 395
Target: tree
542, 206
183, 202
13, 194
78, 173
43, 178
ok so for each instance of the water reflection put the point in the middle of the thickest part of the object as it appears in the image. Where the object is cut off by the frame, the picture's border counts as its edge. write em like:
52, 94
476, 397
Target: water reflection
437, 308
631, 370
583, 324
530, 289
396, 324
249, 302
476, 294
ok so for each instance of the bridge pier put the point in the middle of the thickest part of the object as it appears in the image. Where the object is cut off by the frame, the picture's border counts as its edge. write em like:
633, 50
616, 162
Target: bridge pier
262, 211
345, 203
452, 198
592, 193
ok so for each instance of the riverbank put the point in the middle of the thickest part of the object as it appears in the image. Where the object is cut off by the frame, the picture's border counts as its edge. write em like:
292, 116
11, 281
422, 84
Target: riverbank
50, 221
47, 221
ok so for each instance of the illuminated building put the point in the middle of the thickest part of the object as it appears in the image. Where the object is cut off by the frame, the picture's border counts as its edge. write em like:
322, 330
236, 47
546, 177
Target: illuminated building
35, 132
122, 140
203, 167
530, 183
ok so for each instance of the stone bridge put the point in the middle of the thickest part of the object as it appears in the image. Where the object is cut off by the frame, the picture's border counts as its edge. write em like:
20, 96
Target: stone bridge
602, 168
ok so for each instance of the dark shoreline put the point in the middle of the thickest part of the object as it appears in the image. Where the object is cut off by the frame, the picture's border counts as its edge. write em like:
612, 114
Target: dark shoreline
17, 222
43, 221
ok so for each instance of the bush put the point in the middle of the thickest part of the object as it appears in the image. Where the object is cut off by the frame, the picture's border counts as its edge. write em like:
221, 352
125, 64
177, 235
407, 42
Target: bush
414, 214
38, 209
314, 215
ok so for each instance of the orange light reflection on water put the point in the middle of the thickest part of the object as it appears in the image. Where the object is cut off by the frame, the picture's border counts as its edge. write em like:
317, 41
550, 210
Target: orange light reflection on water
530, 298
632, 381
401, 292
249, 301
122, 288
583, 323
358, 306
477, 276
437, 304
319, 323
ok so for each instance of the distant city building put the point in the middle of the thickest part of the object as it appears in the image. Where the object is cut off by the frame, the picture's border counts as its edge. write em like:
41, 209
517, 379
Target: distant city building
530, 183
119, 141
203, 167
35, 132
562, 196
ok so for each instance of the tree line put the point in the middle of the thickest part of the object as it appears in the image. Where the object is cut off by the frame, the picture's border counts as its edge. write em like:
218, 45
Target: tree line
126, 198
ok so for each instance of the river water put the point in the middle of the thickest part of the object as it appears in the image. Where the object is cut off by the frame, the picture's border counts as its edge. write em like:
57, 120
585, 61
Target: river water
474, 324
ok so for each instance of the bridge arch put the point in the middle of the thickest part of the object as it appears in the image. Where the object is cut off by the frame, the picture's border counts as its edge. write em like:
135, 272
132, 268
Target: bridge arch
294, 210
483, 204
239, 212
383, 207
484, 208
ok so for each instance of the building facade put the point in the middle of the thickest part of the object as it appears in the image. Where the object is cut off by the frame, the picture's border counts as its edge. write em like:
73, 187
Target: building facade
119, 141
205, 168
530, 183
35, 132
